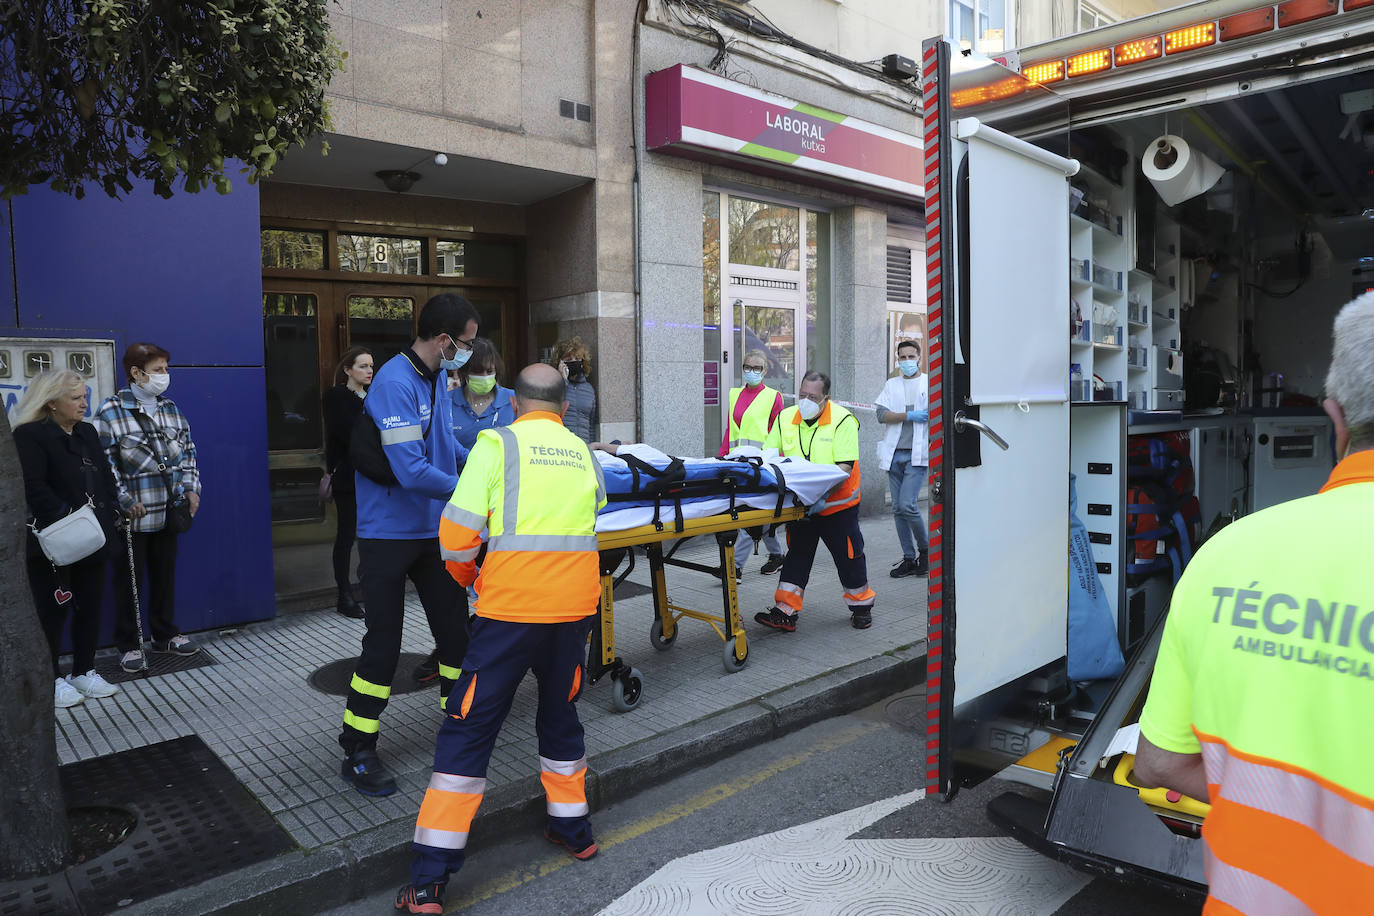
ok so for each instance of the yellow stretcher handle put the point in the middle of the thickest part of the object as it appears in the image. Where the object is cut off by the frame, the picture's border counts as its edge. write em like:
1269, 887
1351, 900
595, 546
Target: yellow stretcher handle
1158, 798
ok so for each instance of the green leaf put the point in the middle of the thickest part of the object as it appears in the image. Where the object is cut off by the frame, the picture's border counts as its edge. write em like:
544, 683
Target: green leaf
222, 111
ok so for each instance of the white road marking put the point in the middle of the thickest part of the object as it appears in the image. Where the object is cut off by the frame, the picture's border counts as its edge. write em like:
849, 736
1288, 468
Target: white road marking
815, 868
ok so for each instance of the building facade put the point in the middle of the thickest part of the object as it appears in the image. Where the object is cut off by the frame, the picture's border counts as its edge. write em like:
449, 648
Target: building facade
529, 155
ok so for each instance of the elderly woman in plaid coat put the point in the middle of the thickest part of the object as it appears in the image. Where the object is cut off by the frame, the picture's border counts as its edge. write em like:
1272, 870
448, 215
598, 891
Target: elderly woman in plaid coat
149, 445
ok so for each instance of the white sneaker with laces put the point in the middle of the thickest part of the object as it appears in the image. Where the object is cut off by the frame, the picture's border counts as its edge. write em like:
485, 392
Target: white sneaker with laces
66, 695
92, 684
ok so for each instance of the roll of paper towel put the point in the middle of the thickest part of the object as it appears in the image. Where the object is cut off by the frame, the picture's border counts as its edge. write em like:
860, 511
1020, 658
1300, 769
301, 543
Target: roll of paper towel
1178, 171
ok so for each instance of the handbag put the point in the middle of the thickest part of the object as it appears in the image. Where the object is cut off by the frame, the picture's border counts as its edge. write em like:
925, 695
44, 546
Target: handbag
178, 516
74, 537
326, 487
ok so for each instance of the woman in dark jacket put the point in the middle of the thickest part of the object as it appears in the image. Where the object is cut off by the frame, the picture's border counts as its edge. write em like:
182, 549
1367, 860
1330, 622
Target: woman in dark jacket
64, 467
343, 404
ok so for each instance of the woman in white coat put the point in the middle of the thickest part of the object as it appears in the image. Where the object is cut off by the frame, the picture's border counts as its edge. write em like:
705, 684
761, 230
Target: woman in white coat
904, 452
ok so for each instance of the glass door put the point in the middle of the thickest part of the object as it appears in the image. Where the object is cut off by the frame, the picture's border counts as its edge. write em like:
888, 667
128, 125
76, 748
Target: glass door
291, 320
769, 328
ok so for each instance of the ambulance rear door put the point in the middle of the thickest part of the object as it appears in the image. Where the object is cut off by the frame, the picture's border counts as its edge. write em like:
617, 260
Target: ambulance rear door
998, 291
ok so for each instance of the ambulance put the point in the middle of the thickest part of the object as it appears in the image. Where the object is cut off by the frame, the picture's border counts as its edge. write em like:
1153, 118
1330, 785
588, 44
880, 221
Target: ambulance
1140, 231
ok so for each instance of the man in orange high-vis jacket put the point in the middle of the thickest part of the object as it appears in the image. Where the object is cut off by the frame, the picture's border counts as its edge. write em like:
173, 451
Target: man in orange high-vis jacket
535, 487
1261, 693
823, 432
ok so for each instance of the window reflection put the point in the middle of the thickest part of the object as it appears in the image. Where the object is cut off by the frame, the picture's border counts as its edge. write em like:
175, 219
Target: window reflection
380, 254
292, 249
764, 234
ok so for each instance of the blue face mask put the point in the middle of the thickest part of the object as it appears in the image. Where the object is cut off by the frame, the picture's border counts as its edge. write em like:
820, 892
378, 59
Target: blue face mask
752, 378
909, 367
460, 358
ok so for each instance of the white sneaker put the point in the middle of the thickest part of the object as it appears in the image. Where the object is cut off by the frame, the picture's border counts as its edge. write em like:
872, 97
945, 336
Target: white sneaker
92, 684
66, 695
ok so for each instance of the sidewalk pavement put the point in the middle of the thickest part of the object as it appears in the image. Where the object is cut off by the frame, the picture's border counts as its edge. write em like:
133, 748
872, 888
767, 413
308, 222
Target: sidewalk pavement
257, 712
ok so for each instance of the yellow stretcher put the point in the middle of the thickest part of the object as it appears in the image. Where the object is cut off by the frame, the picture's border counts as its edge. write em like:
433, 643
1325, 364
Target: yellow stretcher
616, 546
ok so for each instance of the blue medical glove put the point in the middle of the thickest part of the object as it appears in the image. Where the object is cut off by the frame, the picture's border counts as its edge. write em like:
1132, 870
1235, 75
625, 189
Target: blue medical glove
918, 416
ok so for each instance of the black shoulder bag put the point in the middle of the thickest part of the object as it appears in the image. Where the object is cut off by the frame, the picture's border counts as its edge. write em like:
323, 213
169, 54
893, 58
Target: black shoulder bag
178, 514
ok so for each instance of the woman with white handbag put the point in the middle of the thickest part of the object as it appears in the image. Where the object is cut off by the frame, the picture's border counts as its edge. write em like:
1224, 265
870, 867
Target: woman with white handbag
70, 490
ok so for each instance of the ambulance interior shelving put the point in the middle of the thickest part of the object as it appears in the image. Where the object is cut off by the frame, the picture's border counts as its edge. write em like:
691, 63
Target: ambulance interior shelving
1208, 319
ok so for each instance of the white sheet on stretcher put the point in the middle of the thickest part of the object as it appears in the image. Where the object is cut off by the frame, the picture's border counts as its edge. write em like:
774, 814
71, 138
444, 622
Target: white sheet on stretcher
806, 483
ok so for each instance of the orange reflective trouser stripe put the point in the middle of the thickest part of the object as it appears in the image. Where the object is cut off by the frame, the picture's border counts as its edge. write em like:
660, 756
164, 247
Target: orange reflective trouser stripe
1281, 839
788, 596
450, 804
861, 598
565, 786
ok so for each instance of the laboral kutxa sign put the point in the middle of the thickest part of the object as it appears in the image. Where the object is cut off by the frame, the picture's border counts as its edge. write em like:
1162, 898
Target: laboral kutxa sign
690, 112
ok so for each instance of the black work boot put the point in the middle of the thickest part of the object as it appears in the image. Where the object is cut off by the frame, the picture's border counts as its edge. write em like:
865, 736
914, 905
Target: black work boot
772, 564
923, 561
349, 606
368, 774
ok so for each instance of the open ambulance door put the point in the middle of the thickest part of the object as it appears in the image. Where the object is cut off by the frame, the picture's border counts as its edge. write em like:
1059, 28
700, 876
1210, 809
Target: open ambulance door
997, 248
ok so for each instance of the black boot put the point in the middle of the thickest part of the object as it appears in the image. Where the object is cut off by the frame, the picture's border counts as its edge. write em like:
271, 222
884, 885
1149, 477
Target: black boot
923, 561
348, 605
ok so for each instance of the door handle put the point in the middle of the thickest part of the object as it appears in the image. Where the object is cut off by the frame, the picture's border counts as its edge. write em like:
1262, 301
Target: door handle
960, 421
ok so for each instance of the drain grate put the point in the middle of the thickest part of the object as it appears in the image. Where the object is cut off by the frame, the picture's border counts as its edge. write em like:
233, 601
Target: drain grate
195, 821
49, 896
334, 677
159, 663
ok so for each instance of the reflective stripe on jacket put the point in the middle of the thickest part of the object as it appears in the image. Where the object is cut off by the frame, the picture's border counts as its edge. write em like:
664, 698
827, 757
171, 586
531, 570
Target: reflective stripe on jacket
832, 439
752, 429
1266, 669
536, 488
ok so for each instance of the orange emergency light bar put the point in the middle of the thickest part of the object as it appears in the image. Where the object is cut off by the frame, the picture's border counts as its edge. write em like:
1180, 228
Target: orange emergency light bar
1194, 36
1050, 71
1133, 52
1257, 21
1090, 62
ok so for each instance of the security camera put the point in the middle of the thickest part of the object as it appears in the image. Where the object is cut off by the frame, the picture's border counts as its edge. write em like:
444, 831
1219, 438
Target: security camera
440, 159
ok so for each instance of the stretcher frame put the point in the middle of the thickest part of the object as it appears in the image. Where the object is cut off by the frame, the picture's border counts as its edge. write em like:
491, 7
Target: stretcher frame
615, 546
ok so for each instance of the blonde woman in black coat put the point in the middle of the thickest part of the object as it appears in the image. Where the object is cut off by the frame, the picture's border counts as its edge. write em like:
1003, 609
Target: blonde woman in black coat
63, 467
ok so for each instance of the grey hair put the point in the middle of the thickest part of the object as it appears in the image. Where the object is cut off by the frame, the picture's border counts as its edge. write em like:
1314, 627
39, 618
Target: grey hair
1350, 380
46, 386
758, 355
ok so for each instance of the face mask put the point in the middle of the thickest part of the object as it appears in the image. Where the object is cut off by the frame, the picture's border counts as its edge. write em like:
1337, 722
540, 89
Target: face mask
909, 367
481, 384
574, 368
460, 357
752, 378
808, 409
156, 384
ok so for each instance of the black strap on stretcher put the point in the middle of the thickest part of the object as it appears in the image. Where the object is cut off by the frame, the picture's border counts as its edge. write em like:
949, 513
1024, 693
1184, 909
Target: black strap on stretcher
670, 485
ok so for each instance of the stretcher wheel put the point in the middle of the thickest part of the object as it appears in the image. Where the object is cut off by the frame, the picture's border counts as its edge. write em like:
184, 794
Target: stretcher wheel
730, 659
656, 637
626, 691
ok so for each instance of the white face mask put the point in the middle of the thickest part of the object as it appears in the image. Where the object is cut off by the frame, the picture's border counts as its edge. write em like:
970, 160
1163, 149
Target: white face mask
156, 384
808, 409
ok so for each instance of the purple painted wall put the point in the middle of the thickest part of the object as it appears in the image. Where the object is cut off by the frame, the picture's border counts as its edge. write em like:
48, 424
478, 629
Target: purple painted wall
186, 274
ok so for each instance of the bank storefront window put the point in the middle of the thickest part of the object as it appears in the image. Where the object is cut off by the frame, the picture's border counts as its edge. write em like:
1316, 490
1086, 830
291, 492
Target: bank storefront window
380, 254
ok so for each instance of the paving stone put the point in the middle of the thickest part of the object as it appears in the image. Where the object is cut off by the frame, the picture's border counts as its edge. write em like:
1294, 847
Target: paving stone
257, 711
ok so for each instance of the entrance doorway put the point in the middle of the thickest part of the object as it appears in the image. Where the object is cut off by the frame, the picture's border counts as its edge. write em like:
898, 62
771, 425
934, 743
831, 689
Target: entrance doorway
307, 327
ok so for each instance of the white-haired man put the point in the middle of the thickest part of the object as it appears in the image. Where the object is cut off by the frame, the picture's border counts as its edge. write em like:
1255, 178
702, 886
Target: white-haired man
1265, 674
